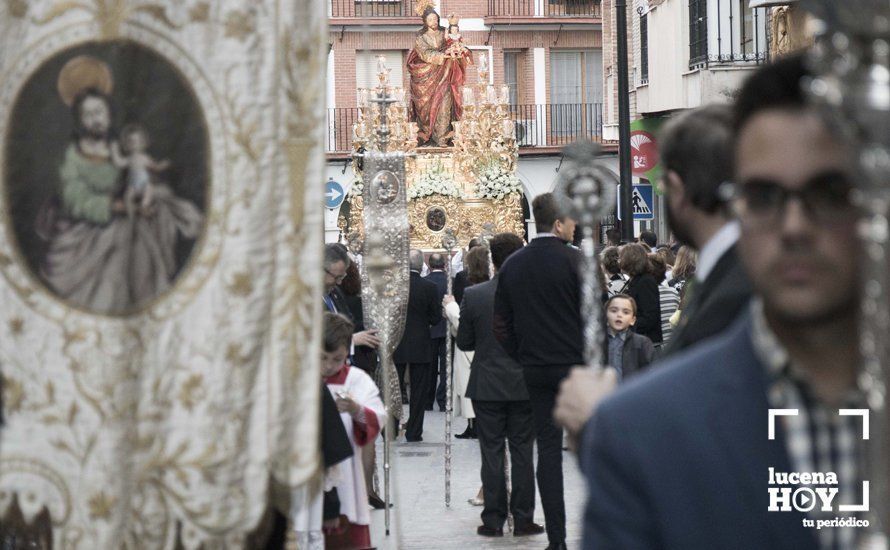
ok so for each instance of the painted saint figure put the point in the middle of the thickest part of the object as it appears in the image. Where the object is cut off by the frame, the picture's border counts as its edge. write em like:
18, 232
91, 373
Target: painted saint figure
437, 66
98, 256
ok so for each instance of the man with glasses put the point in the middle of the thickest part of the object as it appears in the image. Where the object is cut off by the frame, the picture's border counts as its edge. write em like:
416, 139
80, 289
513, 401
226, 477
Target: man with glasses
336, 262
683, 459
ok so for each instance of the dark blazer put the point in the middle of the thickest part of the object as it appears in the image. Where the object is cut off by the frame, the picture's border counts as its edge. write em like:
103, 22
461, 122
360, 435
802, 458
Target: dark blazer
340, 303
424, 310
440, 279
678, 458
460, 283
715, 303
363, 357
644, 290
494, 375
537, 306
638, 353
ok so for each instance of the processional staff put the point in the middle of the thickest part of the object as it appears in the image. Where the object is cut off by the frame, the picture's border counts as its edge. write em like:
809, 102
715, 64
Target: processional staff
852, 65
384, 270
449, 241
587, 188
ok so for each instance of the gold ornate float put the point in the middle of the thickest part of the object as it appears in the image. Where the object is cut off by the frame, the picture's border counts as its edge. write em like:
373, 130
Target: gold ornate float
469, 187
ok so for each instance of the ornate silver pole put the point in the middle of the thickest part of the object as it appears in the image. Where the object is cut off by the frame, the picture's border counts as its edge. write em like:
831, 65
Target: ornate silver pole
385, 270
852, 65
587, 188
449, 241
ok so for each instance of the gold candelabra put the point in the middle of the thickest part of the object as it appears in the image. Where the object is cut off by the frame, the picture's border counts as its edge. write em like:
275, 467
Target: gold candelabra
398, 133
486, 133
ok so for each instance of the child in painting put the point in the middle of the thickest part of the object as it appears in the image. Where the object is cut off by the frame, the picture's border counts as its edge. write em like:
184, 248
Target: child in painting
363, 415
132, 154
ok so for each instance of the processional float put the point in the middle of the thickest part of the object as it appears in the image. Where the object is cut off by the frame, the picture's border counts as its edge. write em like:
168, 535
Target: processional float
851, 61
384, 269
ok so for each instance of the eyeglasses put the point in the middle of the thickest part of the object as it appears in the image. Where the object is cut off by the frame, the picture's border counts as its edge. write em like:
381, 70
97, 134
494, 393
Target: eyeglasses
337, 278
826, 198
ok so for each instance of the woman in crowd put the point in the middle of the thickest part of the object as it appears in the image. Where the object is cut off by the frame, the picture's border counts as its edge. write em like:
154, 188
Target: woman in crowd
684, 269
615, 280
668, 297
634, 262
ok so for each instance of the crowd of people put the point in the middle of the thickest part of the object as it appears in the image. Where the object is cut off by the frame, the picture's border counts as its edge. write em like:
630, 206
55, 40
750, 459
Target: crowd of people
752, 305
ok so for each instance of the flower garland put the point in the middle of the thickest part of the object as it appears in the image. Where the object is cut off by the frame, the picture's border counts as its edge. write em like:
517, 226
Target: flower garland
496, 183
434, 182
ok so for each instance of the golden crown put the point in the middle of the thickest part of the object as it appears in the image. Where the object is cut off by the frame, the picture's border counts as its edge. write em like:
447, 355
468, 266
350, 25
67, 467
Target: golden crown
421, 6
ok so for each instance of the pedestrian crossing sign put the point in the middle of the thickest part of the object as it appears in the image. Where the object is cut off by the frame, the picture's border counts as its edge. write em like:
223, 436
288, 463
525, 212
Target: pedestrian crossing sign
642, 202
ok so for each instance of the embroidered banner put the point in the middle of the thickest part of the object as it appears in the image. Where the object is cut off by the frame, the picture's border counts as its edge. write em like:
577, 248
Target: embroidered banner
159, 265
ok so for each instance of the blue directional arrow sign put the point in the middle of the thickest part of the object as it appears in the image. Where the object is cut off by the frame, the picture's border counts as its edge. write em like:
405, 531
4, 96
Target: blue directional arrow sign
333, 194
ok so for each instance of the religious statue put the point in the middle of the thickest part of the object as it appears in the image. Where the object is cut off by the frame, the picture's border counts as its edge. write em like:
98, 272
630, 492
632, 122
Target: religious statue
437, 67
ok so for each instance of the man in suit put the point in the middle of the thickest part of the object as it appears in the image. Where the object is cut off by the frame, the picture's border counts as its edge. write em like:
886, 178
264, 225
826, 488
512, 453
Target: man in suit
438, 277
336, 262
682, 458
500, 400
413, 352
537, 320
696, 152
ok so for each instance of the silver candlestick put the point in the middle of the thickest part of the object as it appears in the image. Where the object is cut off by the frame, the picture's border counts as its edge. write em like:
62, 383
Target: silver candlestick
851, 61
587, 188
449, 241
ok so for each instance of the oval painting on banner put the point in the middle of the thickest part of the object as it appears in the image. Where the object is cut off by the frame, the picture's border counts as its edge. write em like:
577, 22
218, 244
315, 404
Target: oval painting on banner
106, 176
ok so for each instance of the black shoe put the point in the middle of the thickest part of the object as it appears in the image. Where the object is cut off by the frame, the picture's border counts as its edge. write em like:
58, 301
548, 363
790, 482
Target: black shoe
465, 435
419, 439
530, 528
428, 408
377, 503
557, 546
486, 531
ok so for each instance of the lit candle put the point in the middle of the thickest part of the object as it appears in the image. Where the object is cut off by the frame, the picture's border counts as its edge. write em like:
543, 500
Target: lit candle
400, 96
381, 63
457, 130
483, 62
468, 96
508, 128
505, 94
492, 95
362, 97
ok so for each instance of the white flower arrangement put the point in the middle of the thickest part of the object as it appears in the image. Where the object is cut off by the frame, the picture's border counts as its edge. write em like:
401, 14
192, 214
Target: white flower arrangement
357, 187
434, 181
497, 183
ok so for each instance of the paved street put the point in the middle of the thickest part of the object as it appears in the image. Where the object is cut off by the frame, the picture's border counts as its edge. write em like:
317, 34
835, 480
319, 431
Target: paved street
420, 519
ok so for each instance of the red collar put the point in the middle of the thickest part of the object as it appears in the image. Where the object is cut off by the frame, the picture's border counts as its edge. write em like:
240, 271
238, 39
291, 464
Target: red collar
340, 377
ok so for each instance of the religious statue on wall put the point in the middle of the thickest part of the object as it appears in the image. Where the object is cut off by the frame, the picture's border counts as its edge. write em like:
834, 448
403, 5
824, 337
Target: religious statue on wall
437, 66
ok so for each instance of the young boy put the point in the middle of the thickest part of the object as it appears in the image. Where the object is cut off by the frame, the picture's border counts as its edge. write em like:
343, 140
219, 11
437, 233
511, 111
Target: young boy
627, 351
363, 414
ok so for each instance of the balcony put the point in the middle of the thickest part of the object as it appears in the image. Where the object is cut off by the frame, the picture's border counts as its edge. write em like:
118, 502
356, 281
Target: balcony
365, 10
543, 9
727, 32
539, 128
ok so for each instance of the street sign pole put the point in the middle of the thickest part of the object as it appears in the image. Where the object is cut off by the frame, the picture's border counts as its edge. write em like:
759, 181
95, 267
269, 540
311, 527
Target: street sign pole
626, 198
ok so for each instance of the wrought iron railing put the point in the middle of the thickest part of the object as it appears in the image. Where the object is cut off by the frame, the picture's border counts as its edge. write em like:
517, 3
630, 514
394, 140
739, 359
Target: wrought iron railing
727, 31
372, 8
544, 8
550, 125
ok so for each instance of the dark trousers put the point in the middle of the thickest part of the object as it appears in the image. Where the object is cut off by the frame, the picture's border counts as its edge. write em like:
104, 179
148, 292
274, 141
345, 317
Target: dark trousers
543, 385
437, 394
420, 378
400, 370
510, 420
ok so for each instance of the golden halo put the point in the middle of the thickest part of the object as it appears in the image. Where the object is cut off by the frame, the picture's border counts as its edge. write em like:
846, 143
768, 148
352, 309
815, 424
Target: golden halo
84, 72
